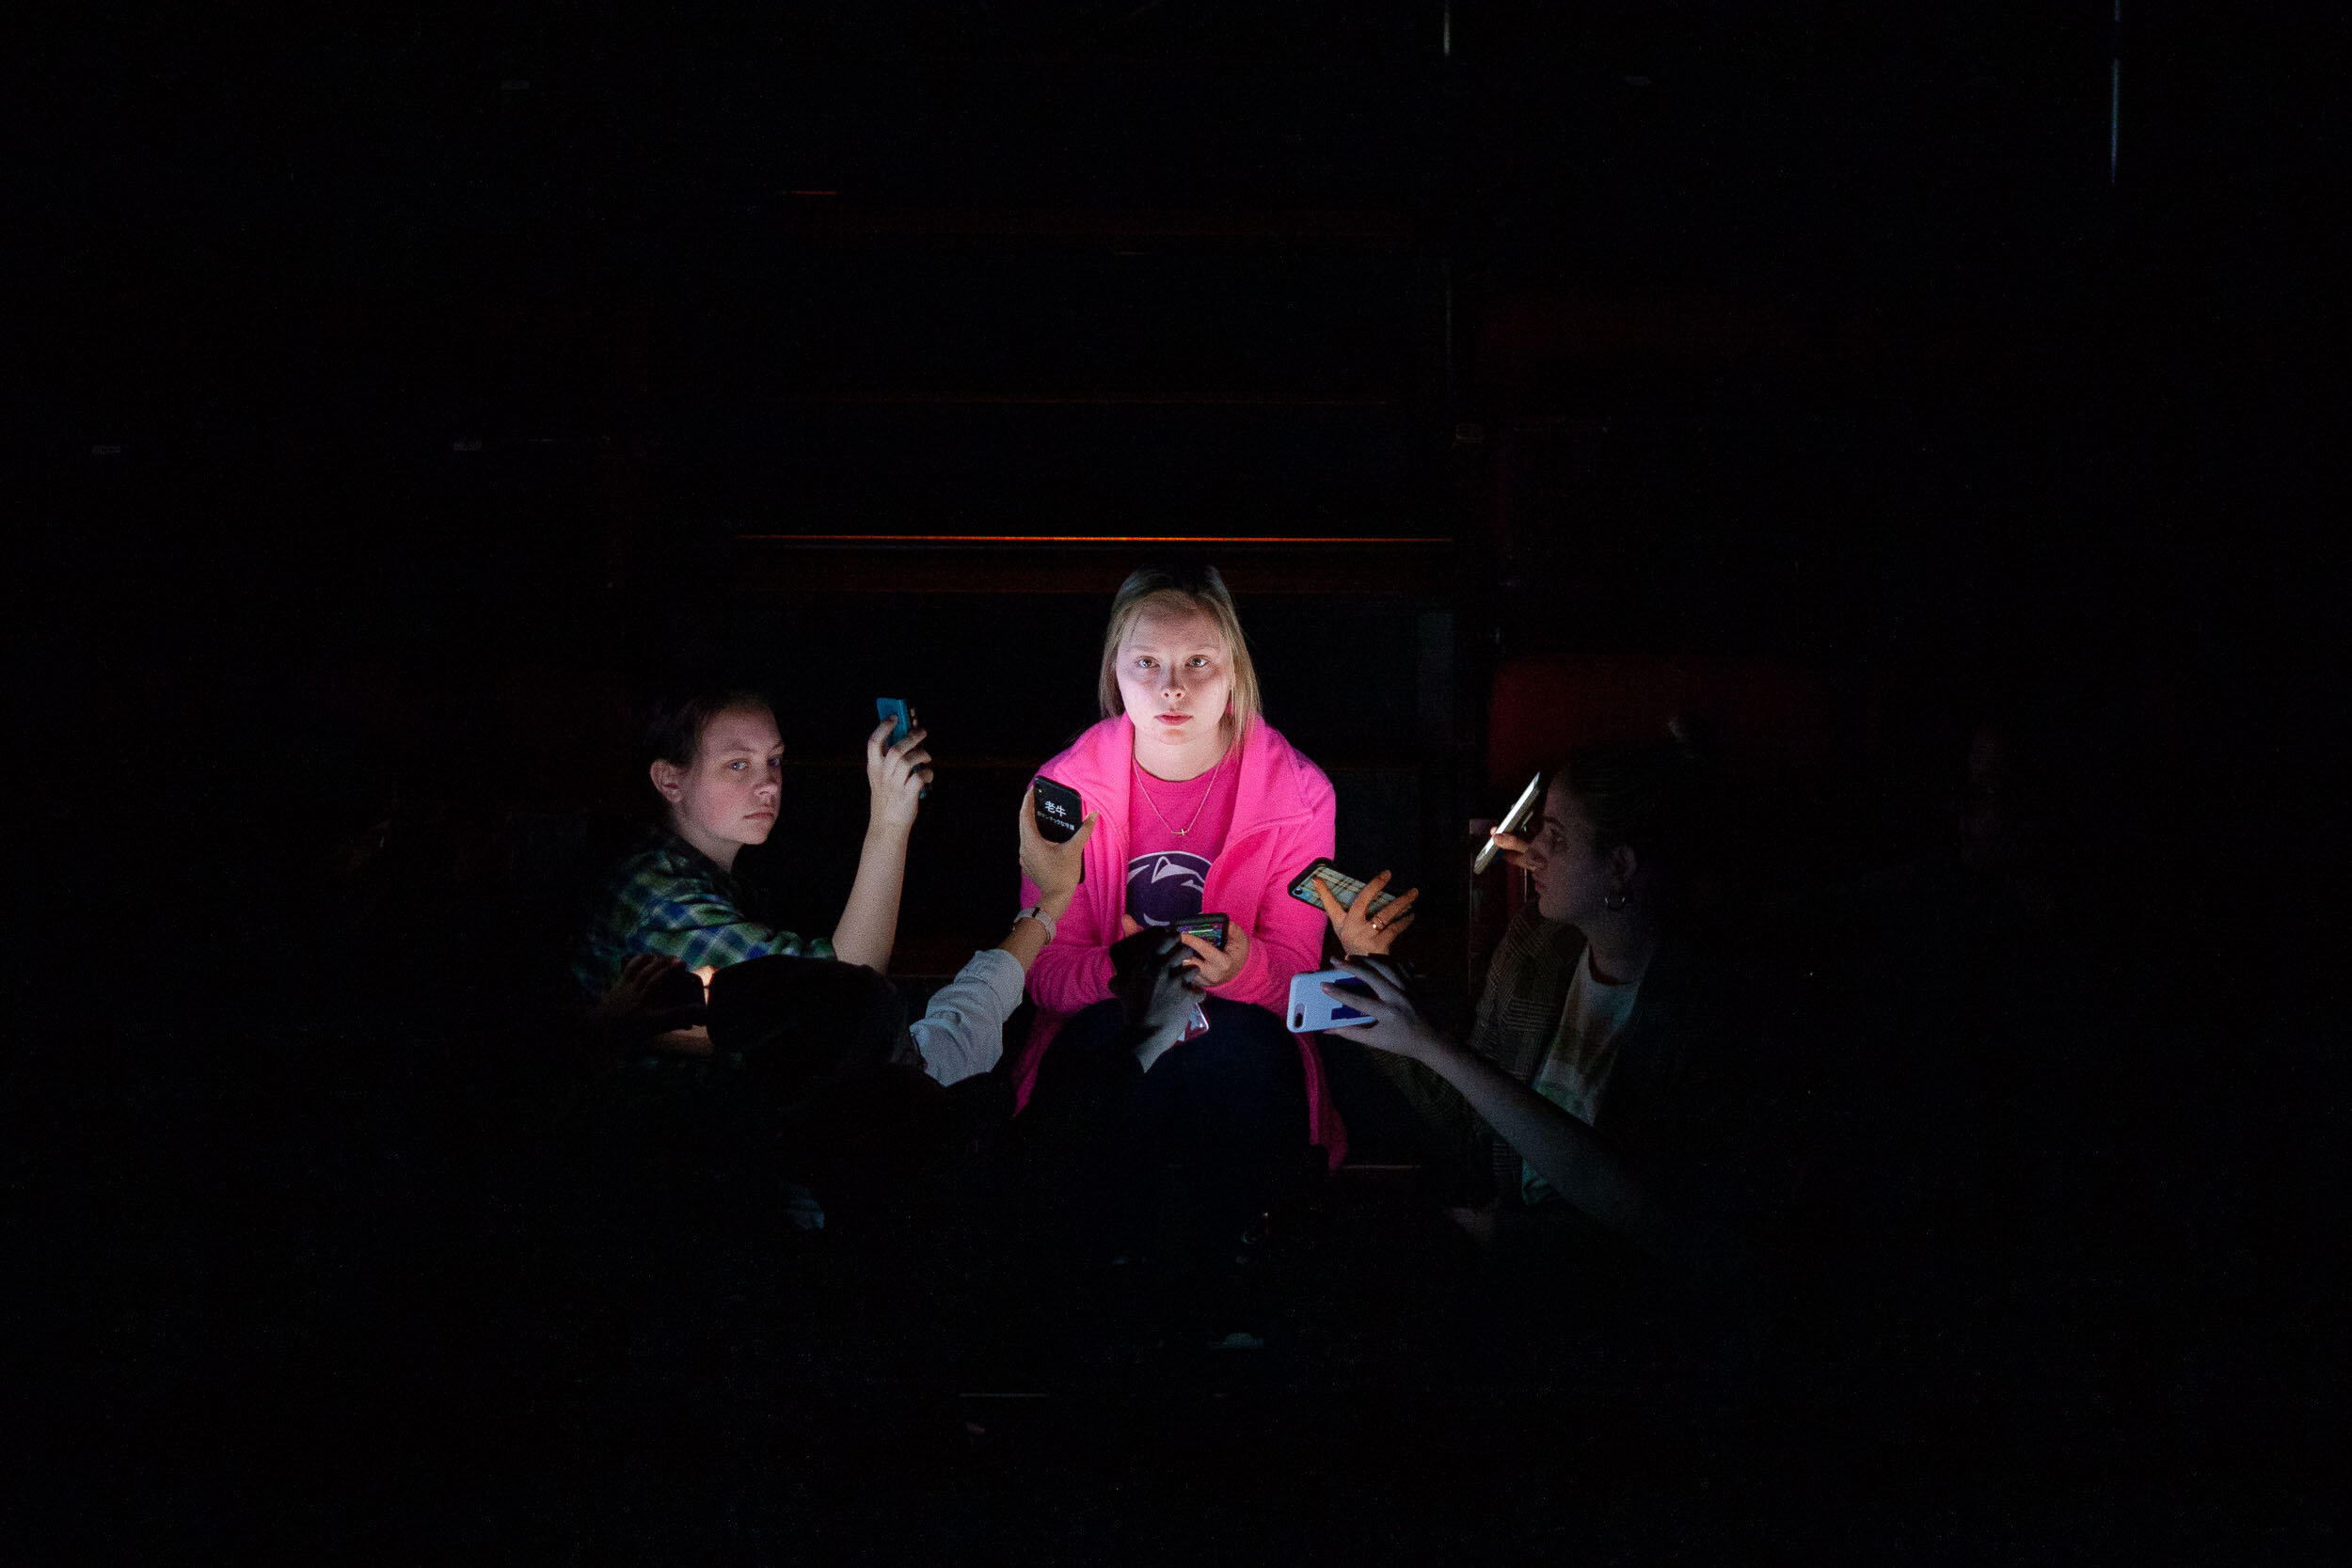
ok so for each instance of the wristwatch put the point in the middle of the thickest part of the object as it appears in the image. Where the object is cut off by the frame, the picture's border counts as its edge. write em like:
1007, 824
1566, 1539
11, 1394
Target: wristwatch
1037, 913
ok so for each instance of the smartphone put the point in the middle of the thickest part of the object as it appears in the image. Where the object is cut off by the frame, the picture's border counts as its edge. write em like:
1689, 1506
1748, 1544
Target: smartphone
1311, 1011
1343, 887
1515, 822
1059, 813
895, 710
1210, 926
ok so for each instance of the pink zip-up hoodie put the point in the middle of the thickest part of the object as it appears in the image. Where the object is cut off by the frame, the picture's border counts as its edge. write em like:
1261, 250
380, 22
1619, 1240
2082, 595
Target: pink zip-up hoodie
1284, 815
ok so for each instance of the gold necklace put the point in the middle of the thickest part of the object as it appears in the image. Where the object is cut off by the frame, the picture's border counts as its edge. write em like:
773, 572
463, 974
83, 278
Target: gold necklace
1189, 826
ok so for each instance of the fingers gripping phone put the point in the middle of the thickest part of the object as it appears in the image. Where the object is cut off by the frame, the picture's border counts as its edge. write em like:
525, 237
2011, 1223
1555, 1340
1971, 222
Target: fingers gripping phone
1059, 813
1311, 1011
1343, 887
1209, 928
1515, 822
895, 710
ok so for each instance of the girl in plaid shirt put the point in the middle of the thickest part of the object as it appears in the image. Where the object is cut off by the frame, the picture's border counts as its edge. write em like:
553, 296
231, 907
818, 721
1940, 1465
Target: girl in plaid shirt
718, 763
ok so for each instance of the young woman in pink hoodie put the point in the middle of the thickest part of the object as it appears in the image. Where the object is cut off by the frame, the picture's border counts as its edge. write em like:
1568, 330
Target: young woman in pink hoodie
1201, 807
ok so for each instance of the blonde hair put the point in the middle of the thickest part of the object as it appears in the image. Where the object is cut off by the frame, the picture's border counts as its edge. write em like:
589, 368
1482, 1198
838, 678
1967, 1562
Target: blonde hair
1182, 591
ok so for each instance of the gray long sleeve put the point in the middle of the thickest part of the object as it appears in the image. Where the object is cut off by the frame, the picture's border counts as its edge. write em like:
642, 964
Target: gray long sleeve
962, 1033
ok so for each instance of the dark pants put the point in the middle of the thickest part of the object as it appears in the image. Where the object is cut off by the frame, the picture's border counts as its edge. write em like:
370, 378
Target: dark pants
812, 1076
1230, 1107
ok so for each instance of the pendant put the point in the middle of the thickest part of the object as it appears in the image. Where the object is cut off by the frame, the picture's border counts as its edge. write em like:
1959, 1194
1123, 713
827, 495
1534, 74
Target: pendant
1182, 831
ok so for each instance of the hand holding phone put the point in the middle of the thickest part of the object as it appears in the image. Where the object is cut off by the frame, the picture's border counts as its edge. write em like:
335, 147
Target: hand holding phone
895, 777
1376, 996
1219, 948
1365, 916
1311, 1011
1343, 886
894, 712
1058, 812
1055, 869
1209, 928
1517, 821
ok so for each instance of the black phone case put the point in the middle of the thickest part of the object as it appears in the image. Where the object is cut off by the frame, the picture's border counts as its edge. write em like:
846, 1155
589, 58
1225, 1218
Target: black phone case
1059, 813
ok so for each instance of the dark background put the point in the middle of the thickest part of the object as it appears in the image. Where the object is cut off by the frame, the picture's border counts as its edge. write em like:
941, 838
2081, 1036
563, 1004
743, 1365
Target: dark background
392, 399
455, 346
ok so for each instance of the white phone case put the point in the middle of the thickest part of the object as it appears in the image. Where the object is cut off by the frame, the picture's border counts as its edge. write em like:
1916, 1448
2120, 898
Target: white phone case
1311, 1011
1515, 822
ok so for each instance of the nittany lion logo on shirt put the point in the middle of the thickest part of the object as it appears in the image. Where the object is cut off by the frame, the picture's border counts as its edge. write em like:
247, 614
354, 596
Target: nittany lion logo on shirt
1166, 886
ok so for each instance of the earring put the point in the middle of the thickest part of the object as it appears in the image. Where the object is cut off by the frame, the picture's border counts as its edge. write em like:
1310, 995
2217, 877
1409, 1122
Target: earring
1616, 900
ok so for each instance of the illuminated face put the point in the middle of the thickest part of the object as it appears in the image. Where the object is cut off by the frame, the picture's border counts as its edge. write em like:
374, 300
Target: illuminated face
1174, 677
1571, 879
726, 797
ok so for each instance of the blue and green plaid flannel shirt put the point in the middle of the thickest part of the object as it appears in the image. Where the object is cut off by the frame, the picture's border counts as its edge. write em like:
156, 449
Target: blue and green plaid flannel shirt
669, 898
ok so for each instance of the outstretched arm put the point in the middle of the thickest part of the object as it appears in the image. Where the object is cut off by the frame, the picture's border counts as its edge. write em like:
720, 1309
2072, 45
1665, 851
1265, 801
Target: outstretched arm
1577, 1162
895, 779
963, 1032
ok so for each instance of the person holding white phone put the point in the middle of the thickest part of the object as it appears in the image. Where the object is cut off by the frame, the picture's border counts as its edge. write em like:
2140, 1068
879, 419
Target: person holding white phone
1597, 1073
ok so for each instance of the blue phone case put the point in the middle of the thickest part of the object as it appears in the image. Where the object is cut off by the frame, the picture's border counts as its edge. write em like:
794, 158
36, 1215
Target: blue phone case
895, 710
